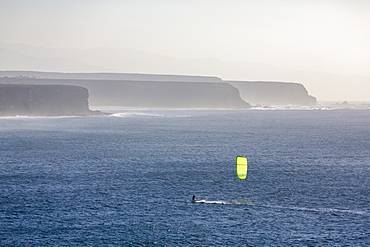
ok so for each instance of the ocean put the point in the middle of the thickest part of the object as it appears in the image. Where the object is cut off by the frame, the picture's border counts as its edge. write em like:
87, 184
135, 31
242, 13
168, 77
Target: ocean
128, 179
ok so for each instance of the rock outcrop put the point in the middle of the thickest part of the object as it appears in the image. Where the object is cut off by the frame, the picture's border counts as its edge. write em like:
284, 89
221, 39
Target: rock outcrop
44, 100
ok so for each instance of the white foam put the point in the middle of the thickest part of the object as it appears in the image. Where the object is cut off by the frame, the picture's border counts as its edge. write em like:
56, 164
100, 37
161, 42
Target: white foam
290, 107
239, 202
135, 114
213, 202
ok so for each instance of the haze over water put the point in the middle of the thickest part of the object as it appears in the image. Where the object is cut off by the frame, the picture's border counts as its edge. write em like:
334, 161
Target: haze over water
322, 44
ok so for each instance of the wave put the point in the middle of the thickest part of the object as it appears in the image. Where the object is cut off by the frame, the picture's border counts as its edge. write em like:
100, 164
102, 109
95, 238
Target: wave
35, 117
287, 108
161, 113
135, 114
319, 106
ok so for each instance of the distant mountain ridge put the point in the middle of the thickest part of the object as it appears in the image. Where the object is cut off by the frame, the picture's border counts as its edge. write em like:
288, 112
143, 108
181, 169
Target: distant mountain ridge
11, 59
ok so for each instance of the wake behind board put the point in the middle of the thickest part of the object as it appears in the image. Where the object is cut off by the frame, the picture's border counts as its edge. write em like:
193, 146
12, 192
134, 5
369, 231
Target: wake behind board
210, 202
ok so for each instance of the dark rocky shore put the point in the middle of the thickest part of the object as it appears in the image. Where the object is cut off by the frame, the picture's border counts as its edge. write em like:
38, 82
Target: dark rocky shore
44, 100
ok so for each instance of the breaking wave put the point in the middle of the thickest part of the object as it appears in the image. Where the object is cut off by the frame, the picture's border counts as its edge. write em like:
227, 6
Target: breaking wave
135, 114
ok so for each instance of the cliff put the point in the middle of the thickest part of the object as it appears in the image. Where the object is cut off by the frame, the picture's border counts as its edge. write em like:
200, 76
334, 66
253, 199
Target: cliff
150, 94
44, 100
273, 93
169, 91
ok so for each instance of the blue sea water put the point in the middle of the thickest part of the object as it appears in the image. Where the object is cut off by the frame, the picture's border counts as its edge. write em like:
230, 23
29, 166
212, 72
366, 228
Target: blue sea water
128, 179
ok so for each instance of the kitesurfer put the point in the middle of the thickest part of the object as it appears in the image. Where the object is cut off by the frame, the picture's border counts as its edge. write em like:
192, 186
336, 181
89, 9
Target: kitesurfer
193, 199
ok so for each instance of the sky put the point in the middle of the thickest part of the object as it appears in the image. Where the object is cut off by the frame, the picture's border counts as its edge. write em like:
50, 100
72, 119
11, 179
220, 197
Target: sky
311, 35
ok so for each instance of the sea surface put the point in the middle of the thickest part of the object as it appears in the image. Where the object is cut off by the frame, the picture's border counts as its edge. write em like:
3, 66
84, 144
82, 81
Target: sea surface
128, 179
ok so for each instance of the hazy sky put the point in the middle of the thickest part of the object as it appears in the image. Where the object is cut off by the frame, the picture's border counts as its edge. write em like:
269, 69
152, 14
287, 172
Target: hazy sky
320, 35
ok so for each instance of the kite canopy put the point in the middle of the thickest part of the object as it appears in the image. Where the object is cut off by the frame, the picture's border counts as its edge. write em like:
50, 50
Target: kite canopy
241, 167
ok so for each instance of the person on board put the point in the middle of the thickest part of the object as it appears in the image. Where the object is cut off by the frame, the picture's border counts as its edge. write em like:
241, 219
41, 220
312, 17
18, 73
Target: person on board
193, 199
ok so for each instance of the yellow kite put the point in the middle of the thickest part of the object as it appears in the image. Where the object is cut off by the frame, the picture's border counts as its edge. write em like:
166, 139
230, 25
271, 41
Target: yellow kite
241, 167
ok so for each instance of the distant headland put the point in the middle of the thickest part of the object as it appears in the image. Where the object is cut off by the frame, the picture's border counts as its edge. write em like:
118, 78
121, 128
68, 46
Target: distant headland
159, 91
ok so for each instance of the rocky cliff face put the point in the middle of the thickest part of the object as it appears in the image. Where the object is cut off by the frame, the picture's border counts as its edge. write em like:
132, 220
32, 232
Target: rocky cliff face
274, 93
43, 100
169, 91
164, 94
150, 94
